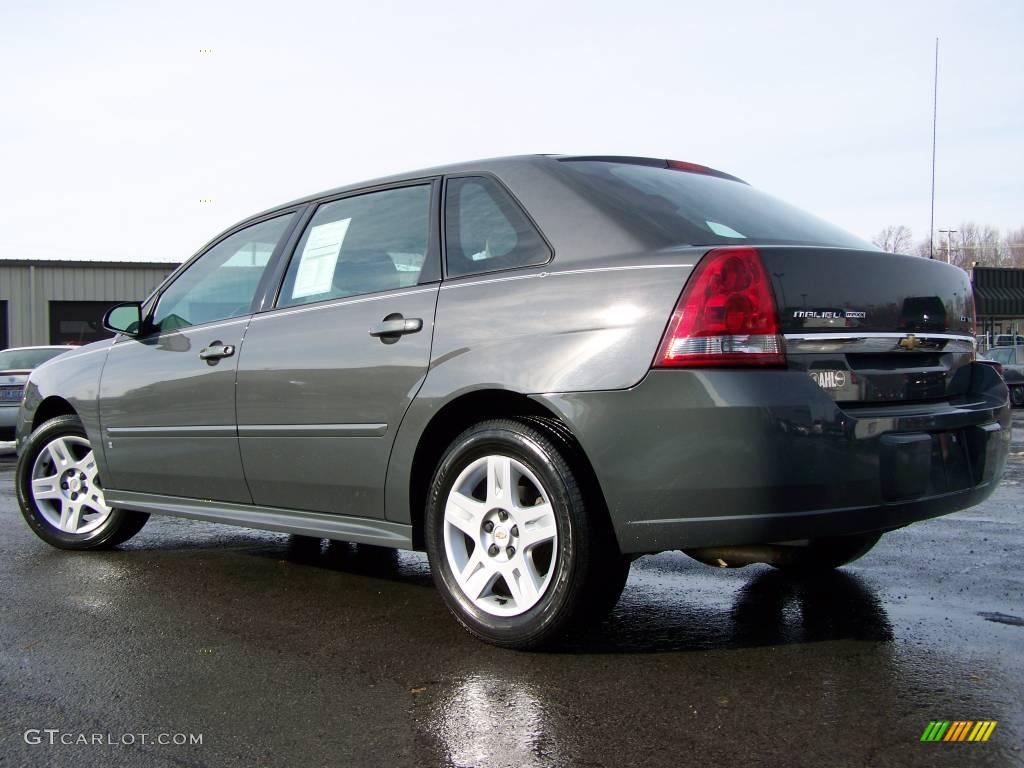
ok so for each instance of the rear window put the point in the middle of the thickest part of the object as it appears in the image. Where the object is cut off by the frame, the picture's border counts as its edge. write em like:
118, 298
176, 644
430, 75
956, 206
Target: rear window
682, 208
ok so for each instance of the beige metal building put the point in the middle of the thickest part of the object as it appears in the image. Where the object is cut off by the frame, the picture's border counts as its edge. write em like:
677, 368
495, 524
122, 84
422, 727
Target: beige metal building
62, 302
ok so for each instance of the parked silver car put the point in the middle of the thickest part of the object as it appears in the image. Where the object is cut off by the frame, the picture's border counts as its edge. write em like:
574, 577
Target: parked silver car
15, 365
536, 369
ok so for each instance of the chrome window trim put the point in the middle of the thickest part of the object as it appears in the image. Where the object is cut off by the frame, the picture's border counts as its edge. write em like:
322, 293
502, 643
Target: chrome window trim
450, 285
344, 301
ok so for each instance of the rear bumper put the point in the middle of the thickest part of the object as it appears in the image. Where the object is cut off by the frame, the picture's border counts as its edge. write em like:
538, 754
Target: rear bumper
715, 458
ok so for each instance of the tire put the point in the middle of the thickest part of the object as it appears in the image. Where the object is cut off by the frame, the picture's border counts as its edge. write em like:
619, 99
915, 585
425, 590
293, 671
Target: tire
517, 567
82, 522
1017, 395
826, 554
609, 581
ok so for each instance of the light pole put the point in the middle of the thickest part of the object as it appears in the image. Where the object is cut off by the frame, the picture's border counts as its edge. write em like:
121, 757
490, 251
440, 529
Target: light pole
949, 234
935, 122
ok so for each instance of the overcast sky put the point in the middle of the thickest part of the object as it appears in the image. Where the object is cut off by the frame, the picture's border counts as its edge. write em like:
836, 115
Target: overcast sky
114, 125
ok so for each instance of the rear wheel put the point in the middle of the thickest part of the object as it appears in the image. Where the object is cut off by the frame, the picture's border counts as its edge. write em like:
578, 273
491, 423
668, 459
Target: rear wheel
512, 545
825, 554
60, 492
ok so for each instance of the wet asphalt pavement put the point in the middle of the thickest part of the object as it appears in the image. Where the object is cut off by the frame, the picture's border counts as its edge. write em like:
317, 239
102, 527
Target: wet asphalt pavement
285, 652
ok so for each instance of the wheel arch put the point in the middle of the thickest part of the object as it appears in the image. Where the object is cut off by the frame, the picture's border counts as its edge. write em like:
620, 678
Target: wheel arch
471, 408
50, 408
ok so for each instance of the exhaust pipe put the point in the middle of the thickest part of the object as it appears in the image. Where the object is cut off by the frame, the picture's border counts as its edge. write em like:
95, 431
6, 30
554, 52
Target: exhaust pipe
739, 557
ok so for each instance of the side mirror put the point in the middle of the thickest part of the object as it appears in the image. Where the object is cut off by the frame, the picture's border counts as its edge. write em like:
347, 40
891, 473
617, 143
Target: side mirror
124, 318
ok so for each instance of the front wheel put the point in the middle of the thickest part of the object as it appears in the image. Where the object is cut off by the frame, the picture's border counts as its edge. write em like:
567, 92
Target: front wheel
514, 549
60, 492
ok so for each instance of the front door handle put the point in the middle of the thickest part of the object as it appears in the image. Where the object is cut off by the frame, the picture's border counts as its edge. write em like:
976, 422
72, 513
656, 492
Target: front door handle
215, 352
393, 326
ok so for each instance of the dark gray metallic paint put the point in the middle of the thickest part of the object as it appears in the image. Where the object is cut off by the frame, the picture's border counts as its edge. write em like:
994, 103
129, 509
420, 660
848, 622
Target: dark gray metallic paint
702, 458
160, 382
317, 366
75, 378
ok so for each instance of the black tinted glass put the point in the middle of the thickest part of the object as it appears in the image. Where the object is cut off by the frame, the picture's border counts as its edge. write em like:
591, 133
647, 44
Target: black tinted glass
681, 208
485, 230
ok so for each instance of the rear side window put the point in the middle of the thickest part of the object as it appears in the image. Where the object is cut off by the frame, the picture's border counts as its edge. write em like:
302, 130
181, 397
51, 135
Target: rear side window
675, 207
485, 230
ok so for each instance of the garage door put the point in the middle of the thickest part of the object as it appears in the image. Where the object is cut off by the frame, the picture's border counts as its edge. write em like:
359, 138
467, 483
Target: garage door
78, 322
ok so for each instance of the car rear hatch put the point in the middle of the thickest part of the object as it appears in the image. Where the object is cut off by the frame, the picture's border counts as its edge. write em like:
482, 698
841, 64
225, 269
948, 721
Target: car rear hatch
872, 327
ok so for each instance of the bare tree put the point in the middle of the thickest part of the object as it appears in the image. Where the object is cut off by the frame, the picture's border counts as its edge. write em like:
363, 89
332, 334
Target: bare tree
978, 244
1013, 248
895, 238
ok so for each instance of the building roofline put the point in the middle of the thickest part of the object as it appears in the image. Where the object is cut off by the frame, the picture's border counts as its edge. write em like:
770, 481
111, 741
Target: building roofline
88, 263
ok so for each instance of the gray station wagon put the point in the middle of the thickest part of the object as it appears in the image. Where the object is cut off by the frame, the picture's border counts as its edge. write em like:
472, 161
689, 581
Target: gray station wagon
536, 369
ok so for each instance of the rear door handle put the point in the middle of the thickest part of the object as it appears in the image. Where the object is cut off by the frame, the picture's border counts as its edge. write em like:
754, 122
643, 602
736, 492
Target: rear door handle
216, 351
393, 326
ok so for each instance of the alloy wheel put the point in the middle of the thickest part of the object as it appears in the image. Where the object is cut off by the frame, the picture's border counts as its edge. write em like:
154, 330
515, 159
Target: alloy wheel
500, 535
66, 488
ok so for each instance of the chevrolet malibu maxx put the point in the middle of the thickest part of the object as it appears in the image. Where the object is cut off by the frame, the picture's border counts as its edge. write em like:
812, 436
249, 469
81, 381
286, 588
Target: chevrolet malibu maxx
536, 369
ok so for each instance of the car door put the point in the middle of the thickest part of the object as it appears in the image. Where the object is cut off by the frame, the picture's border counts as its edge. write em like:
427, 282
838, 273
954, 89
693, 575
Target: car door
167, 398
327, 373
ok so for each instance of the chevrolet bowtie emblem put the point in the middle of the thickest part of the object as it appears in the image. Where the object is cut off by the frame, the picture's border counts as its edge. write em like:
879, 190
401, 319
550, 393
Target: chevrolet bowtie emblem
910, 342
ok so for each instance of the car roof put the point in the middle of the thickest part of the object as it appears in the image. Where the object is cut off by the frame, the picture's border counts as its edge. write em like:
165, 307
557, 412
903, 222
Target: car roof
482, 165
487, 164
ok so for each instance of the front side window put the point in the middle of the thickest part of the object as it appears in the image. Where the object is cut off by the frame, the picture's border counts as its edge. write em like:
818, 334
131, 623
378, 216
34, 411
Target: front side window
485, 229
362, 244
222, 282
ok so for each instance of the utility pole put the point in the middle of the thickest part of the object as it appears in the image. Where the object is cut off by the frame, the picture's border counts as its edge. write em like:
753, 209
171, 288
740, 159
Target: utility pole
948, 233
935, 121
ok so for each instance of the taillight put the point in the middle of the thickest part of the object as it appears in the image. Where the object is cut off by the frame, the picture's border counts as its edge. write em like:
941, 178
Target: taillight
725, 316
